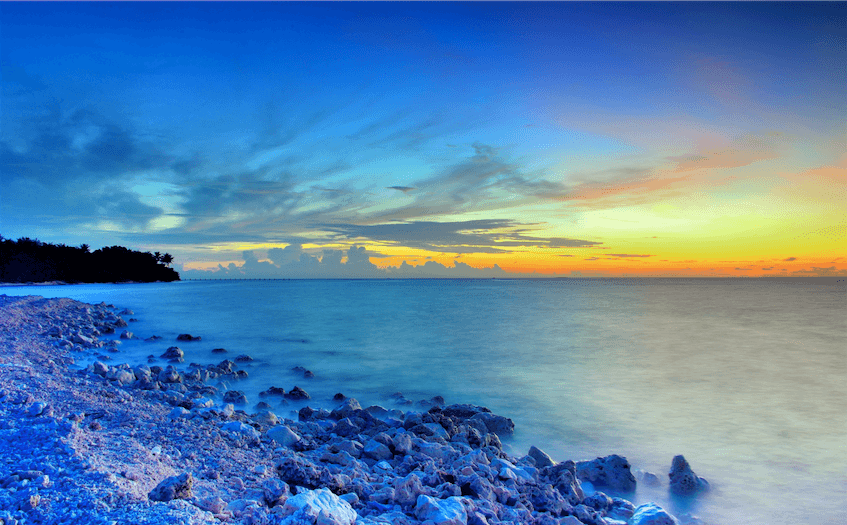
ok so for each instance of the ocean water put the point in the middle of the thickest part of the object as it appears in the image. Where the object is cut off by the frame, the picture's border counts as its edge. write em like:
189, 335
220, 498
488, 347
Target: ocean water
746, 378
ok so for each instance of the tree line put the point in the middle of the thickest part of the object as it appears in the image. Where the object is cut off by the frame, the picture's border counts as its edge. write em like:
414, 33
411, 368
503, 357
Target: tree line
30, 260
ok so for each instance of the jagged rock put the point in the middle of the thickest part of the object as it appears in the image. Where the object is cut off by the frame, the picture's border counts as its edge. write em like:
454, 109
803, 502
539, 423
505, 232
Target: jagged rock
563, 477
126, 334
346, 409
500, 425
235, 397
683, 480
272, 391
275, 492
450, 511
99, 368
297, 394
346, 428
463, 411
174, 487
299, 471
376, 450
547, 499
169, 375
541, 458
407, 490
318, 506
652, 514
610, 471
243, 358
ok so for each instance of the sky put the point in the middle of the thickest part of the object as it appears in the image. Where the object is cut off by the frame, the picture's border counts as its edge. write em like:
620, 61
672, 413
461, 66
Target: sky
431, 139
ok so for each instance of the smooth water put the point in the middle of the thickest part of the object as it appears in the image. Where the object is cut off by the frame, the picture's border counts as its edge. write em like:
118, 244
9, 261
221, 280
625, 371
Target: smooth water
746, 378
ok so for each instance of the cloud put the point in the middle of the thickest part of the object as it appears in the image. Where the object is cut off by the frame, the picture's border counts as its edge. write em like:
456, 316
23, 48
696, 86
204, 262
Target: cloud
479, 236
404, 189
626, 255
331, 265
789, 259
741, 151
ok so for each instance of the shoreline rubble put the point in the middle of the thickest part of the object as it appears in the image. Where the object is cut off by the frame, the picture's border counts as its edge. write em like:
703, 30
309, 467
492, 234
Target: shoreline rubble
146, 443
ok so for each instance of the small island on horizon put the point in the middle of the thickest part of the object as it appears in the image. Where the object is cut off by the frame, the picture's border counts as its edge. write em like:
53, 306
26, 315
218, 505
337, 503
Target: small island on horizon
30, 261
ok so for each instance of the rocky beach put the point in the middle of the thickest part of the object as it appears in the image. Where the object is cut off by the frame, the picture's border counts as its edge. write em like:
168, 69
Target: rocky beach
88, 438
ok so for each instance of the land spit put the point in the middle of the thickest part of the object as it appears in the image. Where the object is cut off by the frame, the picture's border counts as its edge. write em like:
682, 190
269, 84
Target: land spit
158, 443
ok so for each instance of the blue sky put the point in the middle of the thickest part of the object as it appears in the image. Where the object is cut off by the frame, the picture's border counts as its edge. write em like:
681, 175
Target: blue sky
499, 133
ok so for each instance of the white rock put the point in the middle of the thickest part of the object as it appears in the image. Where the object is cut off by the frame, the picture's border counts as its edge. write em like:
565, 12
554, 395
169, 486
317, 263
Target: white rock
652, 514
178, 412
450, 511
321, 506
241, 429
283, 435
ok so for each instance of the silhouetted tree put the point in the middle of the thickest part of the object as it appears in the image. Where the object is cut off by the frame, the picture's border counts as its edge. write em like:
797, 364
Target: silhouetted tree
30, 260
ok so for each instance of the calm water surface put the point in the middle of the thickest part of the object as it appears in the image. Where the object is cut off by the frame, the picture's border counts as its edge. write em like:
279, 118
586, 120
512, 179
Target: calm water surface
746, 378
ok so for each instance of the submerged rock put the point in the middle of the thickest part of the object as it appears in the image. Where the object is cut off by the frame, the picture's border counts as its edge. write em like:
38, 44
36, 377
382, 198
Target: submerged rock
173, 352
187, 337
297, 394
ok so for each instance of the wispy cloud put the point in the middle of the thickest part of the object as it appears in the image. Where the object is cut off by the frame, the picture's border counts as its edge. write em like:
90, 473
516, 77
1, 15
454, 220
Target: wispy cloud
480, 236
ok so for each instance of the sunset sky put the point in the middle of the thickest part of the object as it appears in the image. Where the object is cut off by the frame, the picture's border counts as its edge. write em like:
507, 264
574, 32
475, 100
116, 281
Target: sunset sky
346, 139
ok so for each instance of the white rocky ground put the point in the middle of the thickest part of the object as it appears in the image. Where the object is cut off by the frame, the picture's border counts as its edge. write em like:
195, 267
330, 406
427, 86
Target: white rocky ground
143, 444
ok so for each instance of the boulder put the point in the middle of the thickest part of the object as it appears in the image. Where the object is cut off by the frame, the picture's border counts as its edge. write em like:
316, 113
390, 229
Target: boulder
611, 471
235, 397
463, 411
173, 352
272, 391
318, 506
169, 375
376, 450
187, 337
126, 334
345, 409
652, 514
297, 394
241, 430
683, 480
174, 487
283, 435
266, 418
541, 458
243, 358
500, 425
450, 511
275, 492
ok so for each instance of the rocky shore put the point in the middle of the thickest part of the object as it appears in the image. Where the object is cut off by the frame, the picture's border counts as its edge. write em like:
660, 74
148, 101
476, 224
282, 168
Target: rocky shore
158, 442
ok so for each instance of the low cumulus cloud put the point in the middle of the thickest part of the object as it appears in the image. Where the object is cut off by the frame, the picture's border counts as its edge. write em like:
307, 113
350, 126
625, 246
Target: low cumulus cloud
332, 264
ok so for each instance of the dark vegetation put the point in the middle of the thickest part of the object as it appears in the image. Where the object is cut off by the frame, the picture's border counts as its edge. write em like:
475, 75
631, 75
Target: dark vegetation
30, 260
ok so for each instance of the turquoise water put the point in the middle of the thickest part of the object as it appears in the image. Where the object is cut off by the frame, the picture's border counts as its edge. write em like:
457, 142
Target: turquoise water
746, 378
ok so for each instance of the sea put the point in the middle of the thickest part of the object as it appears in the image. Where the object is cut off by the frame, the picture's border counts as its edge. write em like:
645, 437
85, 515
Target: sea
746, 378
